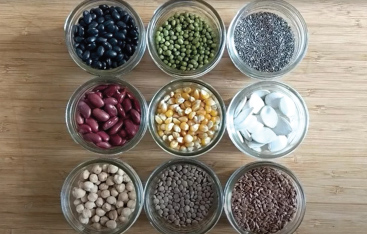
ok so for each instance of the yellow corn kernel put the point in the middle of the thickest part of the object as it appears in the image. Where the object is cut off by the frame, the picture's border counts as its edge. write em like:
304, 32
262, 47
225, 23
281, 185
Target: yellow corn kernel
205, 121
188, 110
202, 105
163, 116
194, 138
187, 90
210, 124
192, 114
211, 133
214, 119
208, 117
182, 106
205, 141
191, 99
177, 95
214, 113
201, 118
180, 100
217, 119
186, 96
180, 113
210, 102
190, 122
194, 127
171, 101
183, 149
189, 144
168, 120
176, 121
204, 94
164, 107
173, 144
188, 138
158, 119
178, 90
187, 104
196, 94
171, 94
175, 135
175, 115
163, 127
164, 137
214, 107
167, 132
176, 128
172, 107
169, 113
216, 127
183, 119
166, 98
203, 135
190, 149
169, 126
208, 109
183, 133
160, 133
201, 112
170, 138
184, 126
203, 128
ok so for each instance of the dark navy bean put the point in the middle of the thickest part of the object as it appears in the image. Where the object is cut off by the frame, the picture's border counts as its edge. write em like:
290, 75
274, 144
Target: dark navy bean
94, 56
119, 9
116, 48
91, 39
108, 17
103, 7
128, 40
100, 28
75, 29
120, 36
133, 49
108, 35
113, 41
110, 54
101, 39
122, 45
104, 65
128, 49
100, 51
91, 46
79, 52
124, 31
122, 62
94, 16
121, 25
87, 19
100, 20
81, 22
80, 31
97, 64
108, 22
93, 32
115, 15
85, 13
114, 64
93, 24
131, 21
125, 18
86, 55
123, 13
107, 46
133, 34
78, 39
109, 62
98, 11
89, 61
119, 57
110, 28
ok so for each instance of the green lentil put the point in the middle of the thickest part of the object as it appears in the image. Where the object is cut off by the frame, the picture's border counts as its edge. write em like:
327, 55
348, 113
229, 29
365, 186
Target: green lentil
186, 42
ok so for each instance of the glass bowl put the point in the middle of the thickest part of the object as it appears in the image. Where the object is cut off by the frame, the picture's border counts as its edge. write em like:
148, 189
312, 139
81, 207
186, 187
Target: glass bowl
164, 227
198, 7
294, 20
72, 20
172, 86
296, 137
71, 181
71, 111
292, 226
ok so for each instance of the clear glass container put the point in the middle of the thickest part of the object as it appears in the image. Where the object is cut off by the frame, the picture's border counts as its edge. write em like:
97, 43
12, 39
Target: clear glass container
71, 110
72, 20
294, 19
166, 228
290, 227
198, 7
296, 137
67, 199
172, 86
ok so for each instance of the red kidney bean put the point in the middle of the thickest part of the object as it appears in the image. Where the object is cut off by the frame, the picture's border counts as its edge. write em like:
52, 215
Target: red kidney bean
104, 145
135, 116
104, 135
120, 95
110, 100
131, 128
100, 87
95, 100
123, 133
111, 122
121, 111
115, 140
92, 137
92, 123
130, 95
110, 109
100, 115
116, 127
79, 118
126, 104
99, 94
123, 142
136, 105
84, 109
84, 128
111, 90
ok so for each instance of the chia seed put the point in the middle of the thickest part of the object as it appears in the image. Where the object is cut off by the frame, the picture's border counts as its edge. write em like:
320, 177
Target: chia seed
264, 41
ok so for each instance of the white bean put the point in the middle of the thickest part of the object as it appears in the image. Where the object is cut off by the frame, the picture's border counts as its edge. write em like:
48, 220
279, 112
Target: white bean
79, 208
111, 224
130, 186
120, 187
93, 178
118, 179
97, 169
103, 220
102, 176
78, 192
92, 197
114, 192
100, 212
105, 193
77, 202
97, 226
83, 220
113, 215
95, 219
132, 195
103, 186
87, 213
126, 178
84, 198
112, 169
94, 189
99, 202
88, 186
123, 197
111, 200
109, 181
105, 167
85, 174
90, 205
126, 212
131, 204
120, 172
119, 204
106, 207
123, 219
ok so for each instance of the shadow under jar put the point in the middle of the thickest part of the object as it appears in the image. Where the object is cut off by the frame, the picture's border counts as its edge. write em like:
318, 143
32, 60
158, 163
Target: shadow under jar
298, 122
203, 11
266, 177
138, 102
72, 181
280, 17
207, 124
169, 171
116, 44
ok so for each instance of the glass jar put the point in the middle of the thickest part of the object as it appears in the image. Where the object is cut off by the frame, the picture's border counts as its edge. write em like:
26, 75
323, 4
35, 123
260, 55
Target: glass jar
71, 181
296, 137
72, 20
71, 111
290, 227
172, 86
164, 227
200, 8
294, 20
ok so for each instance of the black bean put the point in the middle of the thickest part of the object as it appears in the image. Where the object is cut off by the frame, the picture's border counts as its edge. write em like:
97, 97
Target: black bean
107, 22
91, 39
128, 40
108, 62
93, 32
94, 56
100, 51
116, 48
108, 35
131, 21
87, 19
96, 64
81, 22
91, 46
94, 16
100, 20
122, 62
113, 41
119, 57
89, 61
133, 33
107, 46
86, 55
123, 13
81, 31
121, 24
93, 24
114, 64
79, 52
100, 28
103, 7
120, 36
81, 46
125, 18
119, 9
115, 15
75, 29
110, 54
85, 13
98, 11
110, 28
128, 49
78, 39
104, 65
108, 17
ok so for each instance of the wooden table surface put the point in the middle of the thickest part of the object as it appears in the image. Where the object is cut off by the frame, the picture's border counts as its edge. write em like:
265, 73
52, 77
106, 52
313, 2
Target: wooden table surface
37, 77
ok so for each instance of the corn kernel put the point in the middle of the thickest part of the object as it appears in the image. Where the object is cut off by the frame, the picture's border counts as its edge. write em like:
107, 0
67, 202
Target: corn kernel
196, 94
201, 118
190, 122
175, 115
196, 119
191, 99
169, 126
167, 132
163, 116
196, 105
175, 135
158, 119
208, 109
210, 124
170, 138
163, 127
203, 128
176, 121
187, 90
211, 133
190, 149
164, 107
183, 133
187, 104
164, 137
169, 113
210, 102
160, 133
176, 128
166, 98
189, 144
184, 126
188, 138
205, 141
171, 101
192, 114
183, 119
202, 105
177, 95
214, 113
203, 135
171, 94
188, 110
214, 107
201, 112
183, 149
205, 121
173, 107
168, 120
208, 116
215, 127
178, 90
180, 100
194, 127
186, 96
180, 140
173, 144
204, 94
180, 112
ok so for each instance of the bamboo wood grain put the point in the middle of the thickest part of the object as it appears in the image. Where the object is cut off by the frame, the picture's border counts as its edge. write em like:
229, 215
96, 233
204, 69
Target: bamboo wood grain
37, 77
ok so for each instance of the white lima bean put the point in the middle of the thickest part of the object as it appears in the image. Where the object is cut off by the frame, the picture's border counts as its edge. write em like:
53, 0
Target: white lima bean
93, 178
105, 193
83, 220
119, 204
85, 174
77, 202
123, 219
114, 192
89, 205
103, 186
111, 200
97, 169
131, 204
120, 172
119, 211
118, 179
97, 226
123, 197
79, 208
112, 169
106, 207
102, 176
130, 186
132, 195
120, 187
92, 197
126, 178
99, 202
109, 181
84, 198
113, 214
103, 220
100, 212
94, 189
105, 167
78, 192
95, 219
88, 186
87, 213
111, 224
126, 212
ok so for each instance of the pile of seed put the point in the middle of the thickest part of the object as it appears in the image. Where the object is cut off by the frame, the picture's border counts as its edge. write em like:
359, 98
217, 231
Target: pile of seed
264, 41
183, 195
263, 200
185, 42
